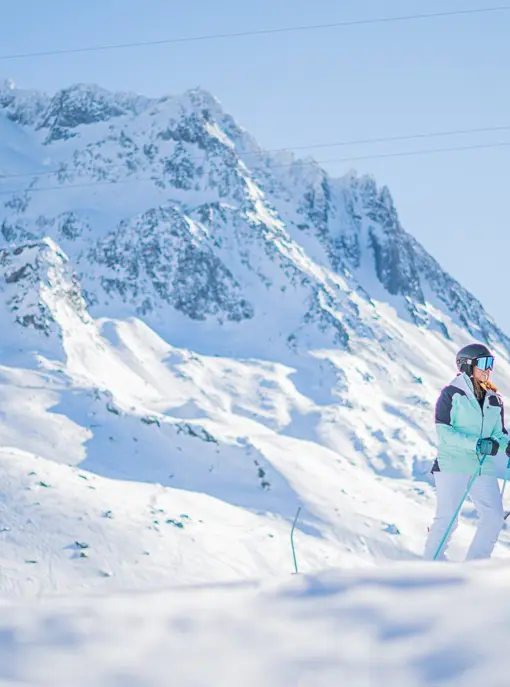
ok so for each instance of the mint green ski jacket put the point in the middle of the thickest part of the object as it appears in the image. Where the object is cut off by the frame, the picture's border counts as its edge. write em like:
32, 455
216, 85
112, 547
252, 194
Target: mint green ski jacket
460, 422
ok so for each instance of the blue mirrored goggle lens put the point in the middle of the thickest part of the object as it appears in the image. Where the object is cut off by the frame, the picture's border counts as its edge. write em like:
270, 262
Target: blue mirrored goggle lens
485, 363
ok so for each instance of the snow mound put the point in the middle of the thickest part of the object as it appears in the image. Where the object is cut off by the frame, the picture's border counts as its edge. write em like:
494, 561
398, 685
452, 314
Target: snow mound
384, 628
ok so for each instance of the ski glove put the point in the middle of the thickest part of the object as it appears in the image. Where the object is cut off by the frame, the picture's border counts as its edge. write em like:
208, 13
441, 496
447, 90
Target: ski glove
487, 447
508, 450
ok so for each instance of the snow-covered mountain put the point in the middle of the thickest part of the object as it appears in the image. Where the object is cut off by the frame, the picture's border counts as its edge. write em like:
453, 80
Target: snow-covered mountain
201, 336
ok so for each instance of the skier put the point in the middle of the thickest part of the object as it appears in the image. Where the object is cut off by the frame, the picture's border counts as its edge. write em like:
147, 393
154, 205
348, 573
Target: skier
470, 424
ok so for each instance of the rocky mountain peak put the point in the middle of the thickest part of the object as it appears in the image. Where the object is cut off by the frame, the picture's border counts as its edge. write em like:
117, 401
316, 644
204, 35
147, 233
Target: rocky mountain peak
22, 106
85, 104
38, 285
126, 205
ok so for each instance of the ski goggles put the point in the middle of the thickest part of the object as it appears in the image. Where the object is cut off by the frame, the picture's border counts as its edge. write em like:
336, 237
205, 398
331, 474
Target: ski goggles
484, 363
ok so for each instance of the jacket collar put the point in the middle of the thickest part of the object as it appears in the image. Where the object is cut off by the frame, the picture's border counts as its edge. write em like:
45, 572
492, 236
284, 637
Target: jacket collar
463, 382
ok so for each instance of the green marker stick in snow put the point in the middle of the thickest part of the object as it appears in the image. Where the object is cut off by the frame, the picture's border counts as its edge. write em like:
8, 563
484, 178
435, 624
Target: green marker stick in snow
292, 539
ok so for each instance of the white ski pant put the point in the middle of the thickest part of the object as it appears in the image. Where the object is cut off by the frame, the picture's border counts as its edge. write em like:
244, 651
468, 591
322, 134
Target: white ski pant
486, 497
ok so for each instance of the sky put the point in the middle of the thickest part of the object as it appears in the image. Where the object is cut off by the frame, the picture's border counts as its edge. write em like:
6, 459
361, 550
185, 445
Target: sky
320, 87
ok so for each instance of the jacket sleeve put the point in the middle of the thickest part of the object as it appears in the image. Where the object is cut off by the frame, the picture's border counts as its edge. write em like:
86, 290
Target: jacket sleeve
500, 433
447, 434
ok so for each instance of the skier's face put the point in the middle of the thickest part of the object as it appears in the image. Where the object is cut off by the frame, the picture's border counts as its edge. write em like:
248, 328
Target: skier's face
481, 375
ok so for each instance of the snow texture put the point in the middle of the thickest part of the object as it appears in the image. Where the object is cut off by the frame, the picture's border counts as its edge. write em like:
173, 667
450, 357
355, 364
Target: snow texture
367, 629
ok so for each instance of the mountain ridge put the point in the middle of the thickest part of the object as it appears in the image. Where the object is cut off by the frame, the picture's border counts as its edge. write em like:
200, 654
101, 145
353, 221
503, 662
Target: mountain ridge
199, 149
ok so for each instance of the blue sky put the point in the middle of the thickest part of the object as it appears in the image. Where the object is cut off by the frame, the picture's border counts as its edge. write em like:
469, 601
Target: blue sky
319, 87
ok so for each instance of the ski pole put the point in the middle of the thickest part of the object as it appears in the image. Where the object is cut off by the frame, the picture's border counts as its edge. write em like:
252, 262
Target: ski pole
470, 484
504, 487
506, 479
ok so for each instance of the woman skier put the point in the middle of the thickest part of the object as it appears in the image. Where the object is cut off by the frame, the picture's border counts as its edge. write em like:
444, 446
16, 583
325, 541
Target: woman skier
470, 424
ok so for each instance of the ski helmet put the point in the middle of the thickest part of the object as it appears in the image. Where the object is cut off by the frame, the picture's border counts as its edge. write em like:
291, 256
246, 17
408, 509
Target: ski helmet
467, 356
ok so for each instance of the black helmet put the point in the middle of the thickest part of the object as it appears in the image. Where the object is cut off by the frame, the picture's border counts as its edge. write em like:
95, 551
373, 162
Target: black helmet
467, 355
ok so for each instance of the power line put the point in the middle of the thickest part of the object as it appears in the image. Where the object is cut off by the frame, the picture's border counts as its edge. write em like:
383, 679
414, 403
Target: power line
335, 144
260, 32
388, 139
302, 163
410, 153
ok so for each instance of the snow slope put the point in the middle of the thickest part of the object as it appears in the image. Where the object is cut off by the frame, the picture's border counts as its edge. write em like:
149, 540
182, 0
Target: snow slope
199, 337
362, 629
189, 468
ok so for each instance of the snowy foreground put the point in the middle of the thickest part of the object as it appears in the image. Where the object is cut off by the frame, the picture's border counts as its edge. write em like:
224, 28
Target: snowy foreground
405, 625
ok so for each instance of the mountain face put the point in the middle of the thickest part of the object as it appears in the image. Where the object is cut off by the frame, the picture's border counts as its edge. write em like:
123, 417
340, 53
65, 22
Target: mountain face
35, 280
182, 308
211, 221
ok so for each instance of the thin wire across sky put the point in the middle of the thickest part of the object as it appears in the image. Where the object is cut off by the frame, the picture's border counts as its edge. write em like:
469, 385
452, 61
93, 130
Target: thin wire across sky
259, 32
